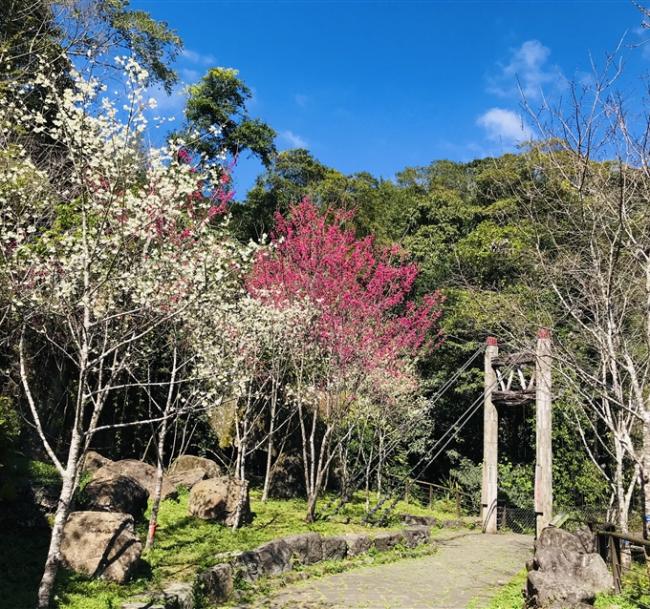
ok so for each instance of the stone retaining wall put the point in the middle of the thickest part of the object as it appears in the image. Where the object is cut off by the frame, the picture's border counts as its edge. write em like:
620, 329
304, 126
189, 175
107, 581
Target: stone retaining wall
217, 584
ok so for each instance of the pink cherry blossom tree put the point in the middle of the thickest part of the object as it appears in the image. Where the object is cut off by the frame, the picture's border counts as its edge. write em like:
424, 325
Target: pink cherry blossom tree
365, 321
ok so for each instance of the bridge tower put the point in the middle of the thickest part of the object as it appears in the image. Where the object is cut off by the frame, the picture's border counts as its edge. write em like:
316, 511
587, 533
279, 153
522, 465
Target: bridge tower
510, 381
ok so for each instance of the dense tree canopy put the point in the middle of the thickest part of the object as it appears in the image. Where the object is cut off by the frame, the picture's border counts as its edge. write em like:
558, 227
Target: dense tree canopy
290, 333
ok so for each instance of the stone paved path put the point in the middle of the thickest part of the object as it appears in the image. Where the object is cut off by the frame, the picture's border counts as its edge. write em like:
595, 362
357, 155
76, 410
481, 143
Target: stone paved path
467, 567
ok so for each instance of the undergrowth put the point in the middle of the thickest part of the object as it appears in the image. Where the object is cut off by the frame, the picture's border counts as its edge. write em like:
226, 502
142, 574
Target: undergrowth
184, 545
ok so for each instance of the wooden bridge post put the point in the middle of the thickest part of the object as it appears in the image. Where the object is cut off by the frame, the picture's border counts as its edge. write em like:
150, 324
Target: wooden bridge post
543, 444
490, 441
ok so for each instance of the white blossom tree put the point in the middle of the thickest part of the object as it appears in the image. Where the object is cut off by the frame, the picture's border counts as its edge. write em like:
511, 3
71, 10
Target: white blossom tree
103, 243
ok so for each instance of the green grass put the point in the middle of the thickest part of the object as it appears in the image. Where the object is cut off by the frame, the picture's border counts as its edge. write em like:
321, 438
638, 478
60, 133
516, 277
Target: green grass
184, 545
635, 594
508, 596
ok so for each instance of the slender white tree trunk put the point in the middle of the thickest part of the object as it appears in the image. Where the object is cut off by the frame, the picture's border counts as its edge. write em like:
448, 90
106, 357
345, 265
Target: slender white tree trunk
63, 509
270, 443
160, 474
645, 482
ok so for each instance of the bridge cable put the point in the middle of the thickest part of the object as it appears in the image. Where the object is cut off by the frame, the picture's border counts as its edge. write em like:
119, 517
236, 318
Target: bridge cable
458, 425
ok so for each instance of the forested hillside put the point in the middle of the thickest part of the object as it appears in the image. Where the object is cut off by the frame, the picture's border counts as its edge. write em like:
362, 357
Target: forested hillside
304, 335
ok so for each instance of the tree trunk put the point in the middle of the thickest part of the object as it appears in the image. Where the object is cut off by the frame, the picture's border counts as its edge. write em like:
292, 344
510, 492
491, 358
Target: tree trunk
269, 446
380, 464
312, 499
160, 472
645, 482
63, 509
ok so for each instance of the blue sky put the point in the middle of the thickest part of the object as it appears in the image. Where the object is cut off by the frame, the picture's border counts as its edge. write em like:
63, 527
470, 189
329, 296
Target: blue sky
377, 86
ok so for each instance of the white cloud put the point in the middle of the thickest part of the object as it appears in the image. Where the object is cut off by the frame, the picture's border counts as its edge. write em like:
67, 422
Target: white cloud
301, 99
172, 103
504, 126
294, 140
189, 76
198, 58
527, 69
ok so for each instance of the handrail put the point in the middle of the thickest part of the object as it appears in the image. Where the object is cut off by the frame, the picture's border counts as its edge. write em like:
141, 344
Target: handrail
457, 492
440, 486
613, 549
631, 538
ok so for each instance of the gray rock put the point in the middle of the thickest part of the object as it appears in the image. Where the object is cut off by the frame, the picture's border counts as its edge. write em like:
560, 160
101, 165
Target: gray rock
217, 582
269, 559
186, 463
101, 544
563, 573
559, 539
117, 494
334, 548
387, 541
218, 499
357, 543
274, 557
454, 523
187, 478
143, 473
306, 548
413, 520
416, 536
178, 596
287, 478
587, 539
92, 461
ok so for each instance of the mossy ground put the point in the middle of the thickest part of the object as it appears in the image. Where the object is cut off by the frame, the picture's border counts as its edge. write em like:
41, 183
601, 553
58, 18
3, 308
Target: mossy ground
635, 594
184, 545
507, 597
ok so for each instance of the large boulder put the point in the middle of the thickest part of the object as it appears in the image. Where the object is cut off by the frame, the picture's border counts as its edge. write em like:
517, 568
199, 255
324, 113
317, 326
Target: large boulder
92, 461
564, 573
186, 463
219, 498
101, 544
287, 478
186, 479
117, 494
143, 473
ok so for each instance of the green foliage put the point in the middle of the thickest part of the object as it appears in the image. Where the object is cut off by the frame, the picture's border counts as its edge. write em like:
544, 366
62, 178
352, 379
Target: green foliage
185, 544
9, 432
635, 593
219, 101
468, 476
516, 484
44, 28
153, 44
509, 596
577, 482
